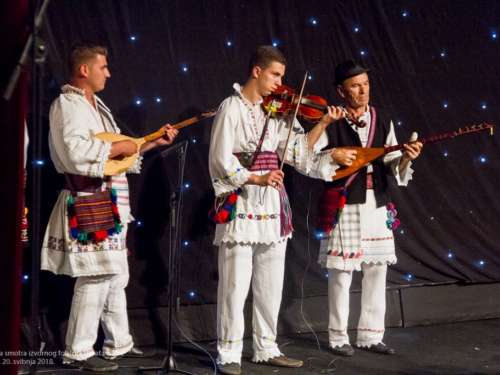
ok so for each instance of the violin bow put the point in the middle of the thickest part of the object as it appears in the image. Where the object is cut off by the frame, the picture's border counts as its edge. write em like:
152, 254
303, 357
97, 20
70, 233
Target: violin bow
293, 122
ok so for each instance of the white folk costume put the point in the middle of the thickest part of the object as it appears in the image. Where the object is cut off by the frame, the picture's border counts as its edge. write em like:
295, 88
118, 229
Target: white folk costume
101, 267
252, 245
362, 239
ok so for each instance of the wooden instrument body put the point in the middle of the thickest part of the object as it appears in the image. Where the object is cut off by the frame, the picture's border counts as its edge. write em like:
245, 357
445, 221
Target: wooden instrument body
119, 165
364, 156
311, 107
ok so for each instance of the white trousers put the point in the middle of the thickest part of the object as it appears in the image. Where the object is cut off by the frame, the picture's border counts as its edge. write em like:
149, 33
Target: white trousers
98, 299
262, 265
371, 321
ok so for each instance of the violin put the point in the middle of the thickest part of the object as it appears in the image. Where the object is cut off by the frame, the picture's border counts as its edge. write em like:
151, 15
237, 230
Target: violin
311, 107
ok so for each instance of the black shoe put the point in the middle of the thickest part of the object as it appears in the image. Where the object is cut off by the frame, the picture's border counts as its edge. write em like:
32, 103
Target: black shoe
283, 362
229, 368
135, 352
344, 350
94, 364
380, 349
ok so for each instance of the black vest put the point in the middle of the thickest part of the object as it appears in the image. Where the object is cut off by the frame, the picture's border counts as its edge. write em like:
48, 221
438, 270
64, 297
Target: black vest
340, 133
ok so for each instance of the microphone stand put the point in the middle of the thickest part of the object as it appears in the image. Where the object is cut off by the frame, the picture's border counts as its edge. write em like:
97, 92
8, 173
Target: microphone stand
36, 46
169, 363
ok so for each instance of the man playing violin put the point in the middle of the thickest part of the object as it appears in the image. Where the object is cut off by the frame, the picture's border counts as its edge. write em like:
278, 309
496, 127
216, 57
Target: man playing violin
251, 211
362, 240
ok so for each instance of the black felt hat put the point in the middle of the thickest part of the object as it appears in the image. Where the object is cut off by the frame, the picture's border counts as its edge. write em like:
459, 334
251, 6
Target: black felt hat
347, 69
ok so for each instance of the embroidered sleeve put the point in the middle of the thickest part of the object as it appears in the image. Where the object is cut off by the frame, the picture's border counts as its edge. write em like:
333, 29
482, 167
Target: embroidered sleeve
71, 138
392, 159
322, 165
297, 153
226, 172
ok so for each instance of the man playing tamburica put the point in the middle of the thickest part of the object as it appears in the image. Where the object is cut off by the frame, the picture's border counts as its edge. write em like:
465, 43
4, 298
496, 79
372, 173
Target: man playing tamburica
99, 264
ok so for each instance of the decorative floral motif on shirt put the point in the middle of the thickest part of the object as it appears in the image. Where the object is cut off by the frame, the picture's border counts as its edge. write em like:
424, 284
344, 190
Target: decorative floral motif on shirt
392, 222
294, 151
230, 175
264, 337
54, 243
226, 341
254, 118
258, 217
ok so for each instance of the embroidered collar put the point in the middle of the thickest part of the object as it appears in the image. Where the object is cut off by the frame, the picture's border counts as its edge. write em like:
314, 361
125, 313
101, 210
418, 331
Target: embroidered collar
237, 88
68, 89
251, 110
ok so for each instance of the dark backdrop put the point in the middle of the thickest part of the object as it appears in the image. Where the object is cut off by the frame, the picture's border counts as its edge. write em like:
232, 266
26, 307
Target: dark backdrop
435, 68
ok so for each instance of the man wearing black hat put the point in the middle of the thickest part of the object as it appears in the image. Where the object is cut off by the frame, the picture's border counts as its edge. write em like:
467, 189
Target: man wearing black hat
361, 239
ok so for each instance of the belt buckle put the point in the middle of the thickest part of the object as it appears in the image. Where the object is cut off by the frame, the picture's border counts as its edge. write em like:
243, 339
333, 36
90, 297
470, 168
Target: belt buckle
246, 159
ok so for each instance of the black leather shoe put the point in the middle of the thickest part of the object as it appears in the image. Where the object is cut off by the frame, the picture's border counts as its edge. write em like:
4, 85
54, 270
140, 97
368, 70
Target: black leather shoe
135, 352
94, 364
229, 368
380, 349
344, 350
283, 362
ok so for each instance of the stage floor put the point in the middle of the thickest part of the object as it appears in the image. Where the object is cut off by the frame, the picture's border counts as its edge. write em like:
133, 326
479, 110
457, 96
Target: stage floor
454, 348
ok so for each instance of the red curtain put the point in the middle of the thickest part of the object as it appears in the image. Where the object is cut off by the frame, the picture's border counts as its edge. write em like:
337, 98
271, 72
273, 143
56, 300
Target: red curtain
13, 28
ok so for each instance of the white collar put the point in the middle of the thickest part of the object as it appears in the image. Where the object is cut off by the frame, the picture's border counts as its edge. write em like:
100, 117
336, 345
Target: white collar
68, 89
237, 88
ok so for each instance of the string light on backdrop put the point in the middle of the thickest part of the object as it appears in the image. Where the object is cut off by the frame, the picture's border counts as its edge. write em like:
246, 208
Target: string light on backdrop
25, 277
363, 55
